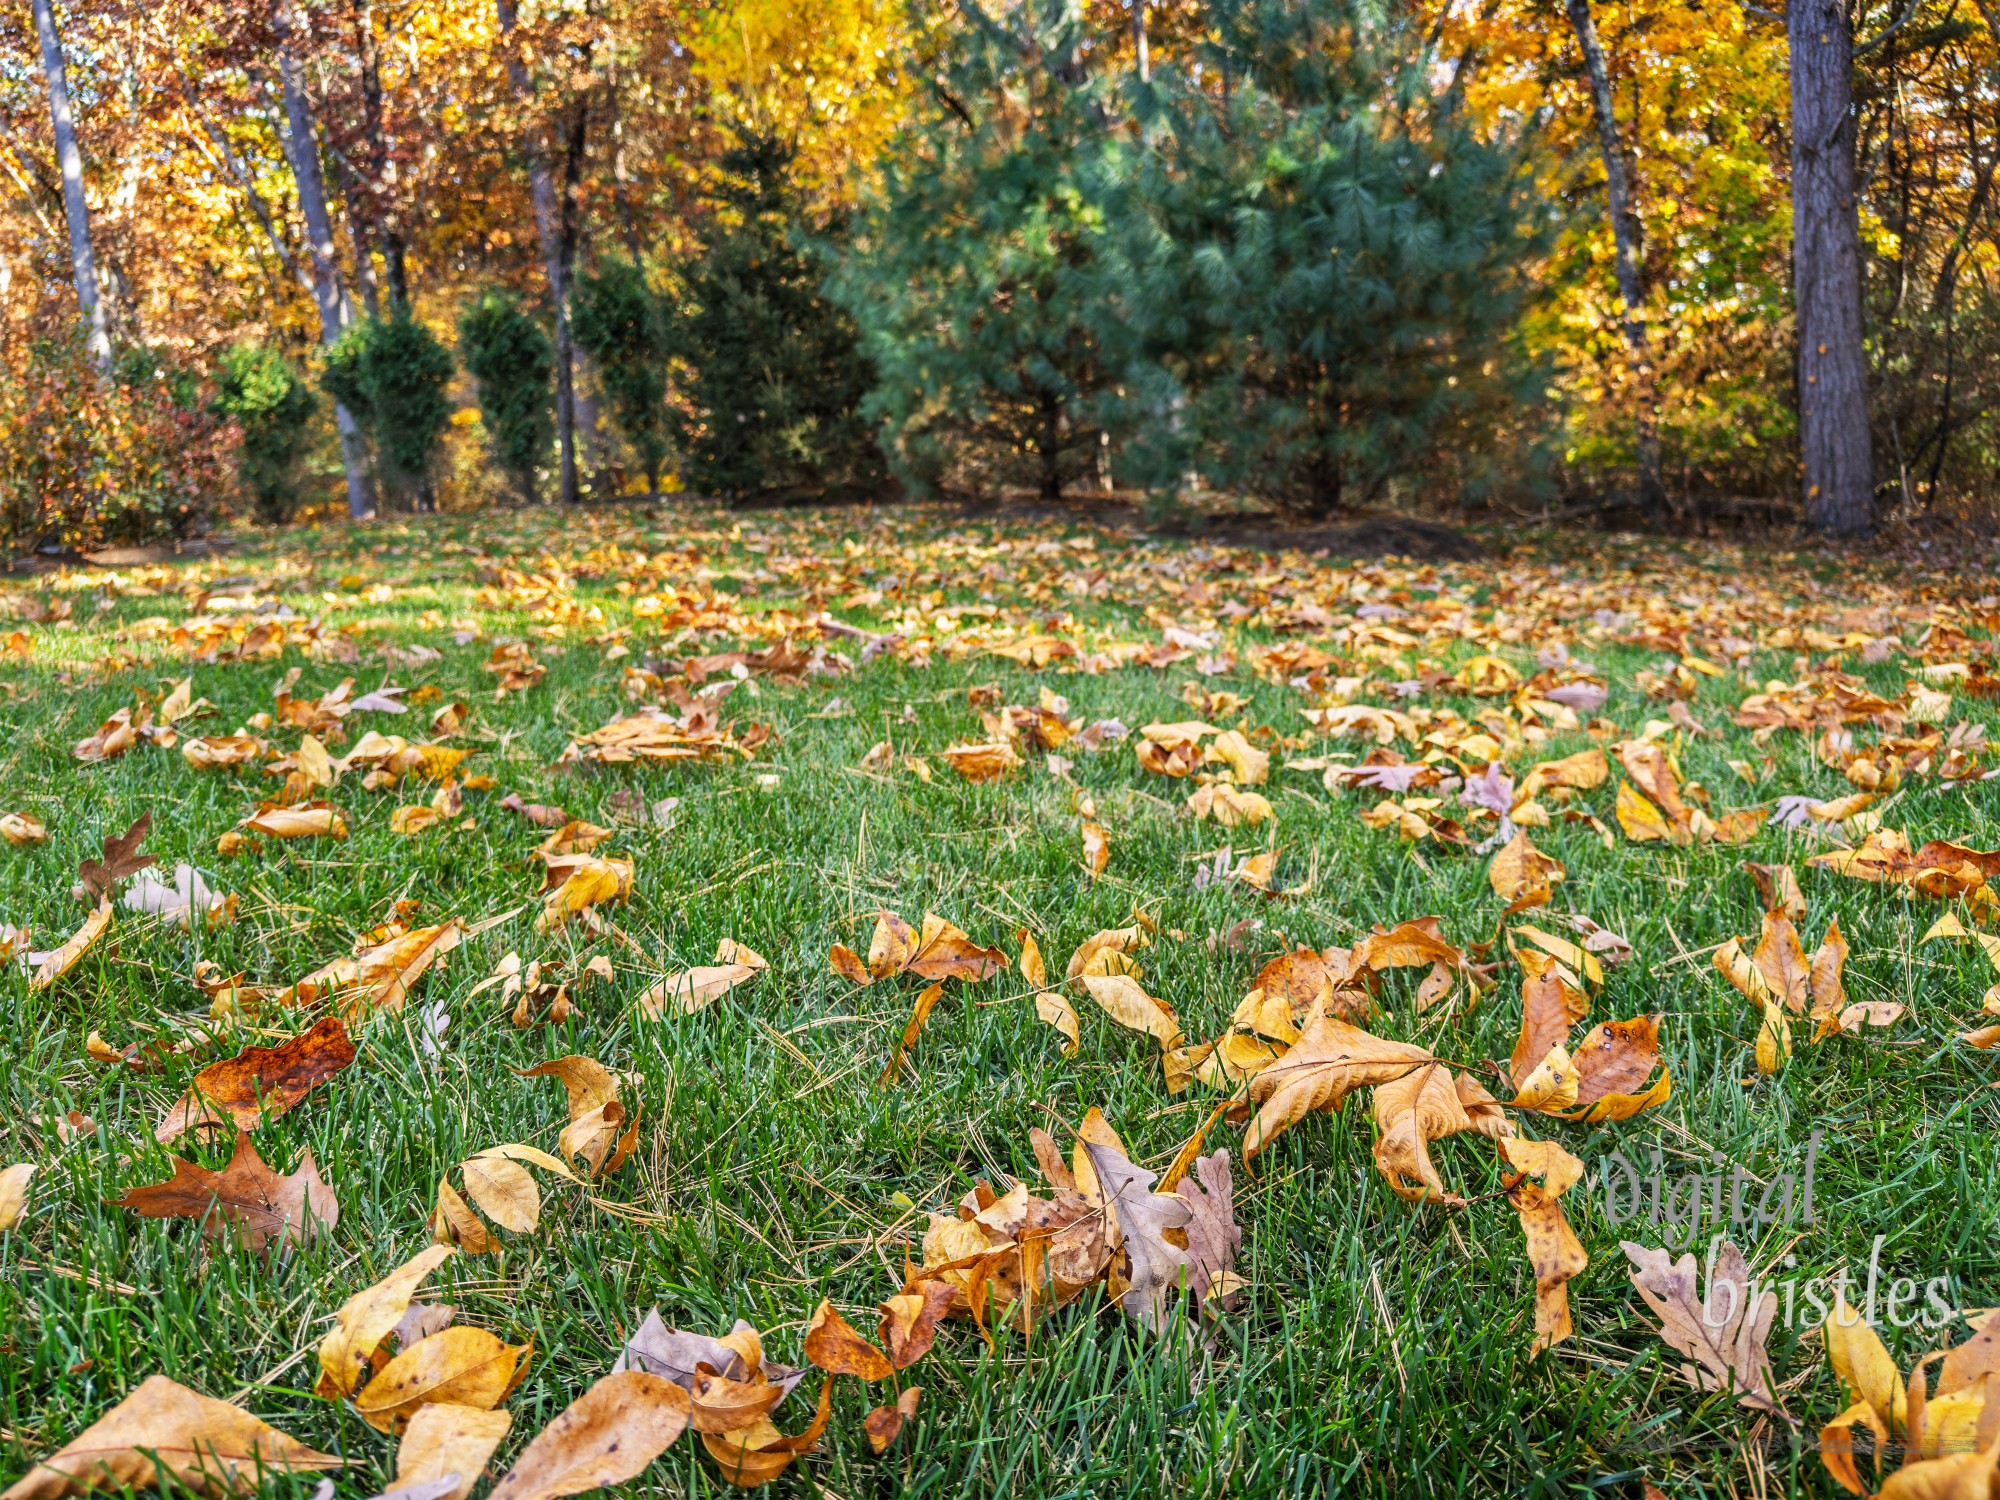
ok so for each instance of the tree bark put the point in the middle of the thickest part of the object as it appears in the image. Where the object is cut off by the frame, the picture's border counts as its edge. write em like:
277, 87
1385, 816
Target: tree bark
302, 151
1835, 452
1625, 245
1140, 51
82, 259
548, 231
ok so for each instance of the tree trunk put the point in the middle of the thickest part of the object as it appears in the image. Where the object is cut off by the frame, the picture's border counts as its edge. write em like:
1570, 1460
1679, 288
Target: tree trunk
1625, 243
382, 203
83, 262
302, 151
1049, 445
1834, 447
1139, 49
548, 231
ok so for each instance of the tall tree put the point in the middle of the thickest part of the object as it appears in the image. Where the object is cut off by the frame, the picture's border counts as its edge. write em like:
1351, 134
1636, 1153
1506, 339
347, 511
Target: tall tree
550, 233
1835, 452
1625, 243
83, 260
302, 151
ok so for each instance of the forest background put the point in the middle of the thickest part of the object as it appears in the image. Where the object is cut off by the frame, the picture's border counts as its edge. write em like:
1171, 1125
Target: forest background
1492, 254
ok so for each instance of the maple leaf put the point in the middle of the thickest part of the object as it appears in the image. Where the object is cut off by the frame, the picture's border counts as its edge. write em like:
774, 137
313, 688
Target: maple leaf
246, 1200
120, 860
1729, 1353
204, 1443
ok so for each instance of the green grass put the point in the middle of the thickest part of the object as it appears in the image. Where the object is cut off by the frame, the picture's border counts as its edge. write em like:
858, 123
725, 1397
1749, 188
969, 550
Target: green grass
1382, 1348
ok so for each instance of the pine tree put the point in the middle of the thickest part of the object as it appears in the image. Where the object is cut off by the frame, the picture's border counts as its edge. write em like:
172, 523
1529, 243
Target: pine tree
272, 406
391, 373
777, 377
1311, 287
620, 322
970, 274
511, 359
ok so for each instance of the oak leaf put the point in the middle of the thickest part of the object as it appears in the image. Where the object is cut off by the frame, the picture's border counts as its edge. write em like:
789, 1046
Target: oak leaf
1159, 1268
1729, 1353
120, 860
246, 1200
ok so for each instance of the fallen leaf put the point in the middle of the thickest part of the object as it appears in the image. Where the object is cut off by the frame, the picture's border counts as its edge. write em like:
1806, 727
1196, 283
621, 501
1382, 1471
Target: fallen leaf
206, 1444
1229, 806
1213, 1236
1555, 1255
1055, 1009
608, 1435
447, 1447
246, 1200
1122, 998
1727, 1346
23, 828
458, 1367
988, 762
51, 967
910, 1320
1159, 1268
120, 860
919, 1014
757, 1454
14, 1194
260, 1083
1613, 1060
1331, 1059
306, 820
885, 1423
834, 1346
1520, 867
369, 1317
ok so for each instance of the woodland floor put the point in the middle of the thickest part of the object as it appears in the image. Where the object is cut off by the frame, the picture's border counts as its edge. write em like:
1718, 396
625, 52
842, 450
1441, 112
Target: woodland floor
1380, 1346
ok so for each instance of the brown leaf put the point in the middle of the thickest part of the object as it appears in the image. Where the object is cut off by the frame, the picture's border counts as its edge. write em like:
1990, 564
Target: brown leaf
757, 1454
1423, 1105
1550, 1005
834, 1345
1213, 1237
121, 860
206, 1444
943, 952
910, 1319
1055, 1009
595, 1115
848, 965
1778, 889
1781, 959
885, 1423
1122, 998
1728, 1351
367, 1318
1159, 1268
1829, 995
261, 1083
1612, 1060
460, 1367
914, 1029
246, 1200
606, 1436
1329, 1061
1520, 867
448, 1447
1554, 1254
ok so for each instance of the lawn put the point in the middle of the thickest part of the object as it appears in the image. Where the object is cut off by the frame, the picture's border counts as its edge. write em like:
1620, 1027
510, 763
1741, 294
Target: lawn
1377, 1346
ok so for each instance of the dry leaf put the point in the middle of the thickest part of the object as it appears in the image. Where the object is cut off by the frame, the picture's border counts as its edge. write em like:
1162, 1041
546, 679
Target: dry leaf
834, 1346
1554, 1254
1727, 1344
447, 1447
369, 1317
606, 1436
1228, 806
1520, 867
1159, 1268
885, 1423
14, 1194
246, 1200
121, 860
458, 1367
1055, 1009
23, 828
260, 1083
1331, 1059
51, 967
206, 1444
